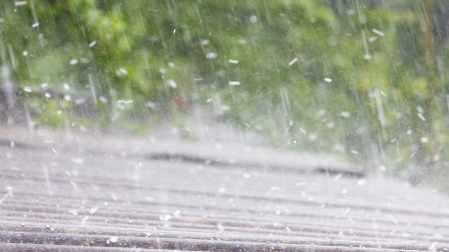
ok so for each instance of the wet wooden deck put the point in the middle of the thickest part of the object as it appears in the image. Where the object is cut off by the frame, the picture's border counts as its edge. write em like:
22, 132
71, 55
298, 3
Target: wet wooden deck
62, 192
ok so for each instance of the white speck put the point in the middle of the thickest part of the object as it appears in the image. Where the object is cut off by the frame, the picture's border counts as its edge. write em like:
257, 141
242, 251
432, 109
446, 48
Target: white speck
243, 41
378, 32
93, 209
367, 56
44, 85
350, 12
372, 39
125, 101
424, 139
355, 152
211, 55
302, 130
393, 219
382, 168
421, 117
327, 80
293, 61
361, 182
115, 198
123, 71
162, 70
220, 227
345, 114
150, 199
419, 109
103, 99
172, 83
25, 53
53, 149
47, 95
73, 62
85, 60
20, 3
77, 160
171, 64
67, 97
73, 211
113, 239
174, 31
344, 191
205, 42
312, 137
330, 125
321, 112
253, 19
339, 147
59, 112
27, 89
338, 176
177, 214
234, 83
93, 43
246, 175
35, 25
383, 93
301, 183
233, 61
346, 211
148, 234
275, 188
409, 132
151, 104
209, 100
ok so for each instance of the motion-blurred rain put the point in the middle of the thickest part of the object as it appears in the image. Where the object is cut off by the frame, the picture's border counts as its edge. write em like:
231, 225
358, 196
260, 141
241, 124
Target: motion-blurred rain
363, 80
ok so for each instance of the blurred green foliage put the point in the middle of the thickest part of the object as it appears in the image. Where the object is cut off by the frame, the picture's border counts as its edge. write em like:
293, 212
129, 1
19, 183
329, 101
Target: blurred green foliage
362, 78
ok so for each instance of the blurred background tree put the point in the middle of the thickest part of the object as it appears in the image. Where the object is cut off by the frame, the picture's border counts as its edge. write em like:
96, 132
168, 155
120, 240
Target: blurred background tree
364, 79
